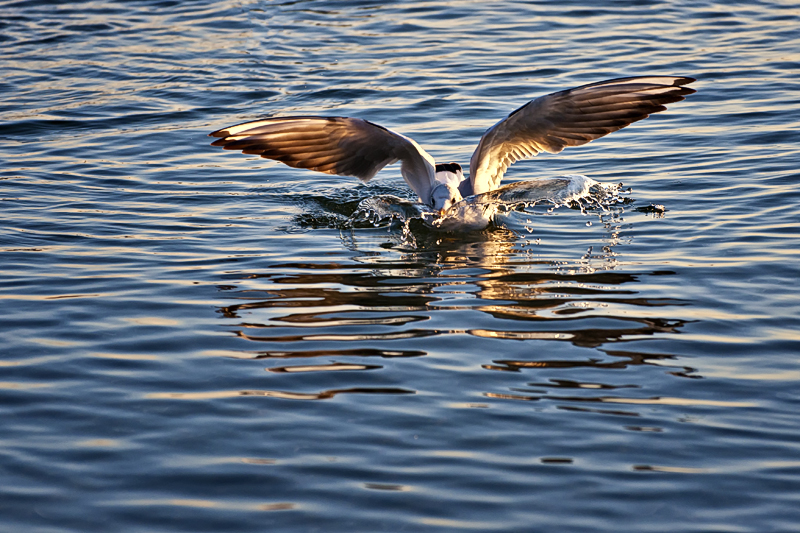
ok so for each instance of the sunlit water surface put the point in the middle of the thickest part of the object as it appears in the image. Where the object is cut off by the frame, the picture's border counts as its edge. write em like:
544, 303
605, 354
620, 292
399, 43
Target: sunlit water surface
198, 340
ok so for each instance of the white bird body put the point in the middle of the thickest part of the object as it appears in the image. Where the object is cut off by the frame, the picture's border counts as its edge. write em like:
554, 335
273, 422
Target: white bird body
356, 147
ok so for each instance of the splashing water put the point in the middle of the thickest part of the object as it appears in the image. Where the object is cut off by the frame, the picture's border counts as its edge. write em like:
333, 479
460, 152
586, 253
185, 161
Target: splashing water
479, 211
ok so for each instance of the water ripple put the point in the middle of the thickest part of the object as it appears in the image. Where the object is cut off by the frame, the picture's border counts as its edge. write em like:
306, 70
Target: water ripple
167, 309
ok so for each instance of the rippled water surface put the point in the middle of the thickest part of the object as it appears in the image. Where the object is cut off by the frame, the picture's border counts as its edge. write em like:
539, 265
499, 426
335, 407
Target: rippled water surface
198, 340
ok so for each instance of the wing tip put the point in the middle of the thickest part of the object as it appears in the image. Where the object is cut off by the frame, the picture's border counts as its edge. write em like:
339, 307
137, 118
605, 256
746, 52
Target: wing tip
654, 81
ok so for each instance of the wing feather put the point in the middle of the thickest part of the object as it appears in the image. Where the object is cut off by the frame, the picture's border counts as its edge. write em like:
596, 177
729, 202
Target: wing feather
333, 145
569, 118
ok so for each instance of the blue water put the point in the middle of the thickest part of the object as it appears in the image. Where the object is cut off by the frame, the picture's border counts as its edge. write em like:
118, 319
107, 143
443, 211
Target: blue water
197, 340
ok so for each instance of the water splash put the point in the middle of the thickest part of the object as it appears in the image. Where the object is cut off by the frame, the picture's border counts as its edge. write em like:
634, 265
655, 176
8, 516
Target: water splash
482, 210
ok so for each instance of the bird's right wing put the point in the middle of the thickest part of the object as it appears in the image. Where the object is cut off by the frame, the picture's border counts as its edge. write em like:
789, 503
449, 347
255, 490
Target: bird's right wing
569, 118
334, 145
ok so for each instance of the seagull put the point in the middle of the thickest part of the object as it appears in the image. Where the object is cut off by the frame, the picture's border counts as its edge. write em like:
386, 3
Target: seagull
356, 147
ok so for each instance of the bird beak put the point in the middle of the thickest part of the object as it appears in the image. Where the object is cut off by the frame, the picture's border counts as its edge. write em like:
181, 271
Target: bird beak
442, 212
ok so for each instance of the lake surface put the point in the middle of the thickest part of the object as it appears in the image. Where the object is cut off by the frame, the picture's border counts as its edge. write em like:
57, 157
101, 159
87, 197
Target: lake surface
198, 340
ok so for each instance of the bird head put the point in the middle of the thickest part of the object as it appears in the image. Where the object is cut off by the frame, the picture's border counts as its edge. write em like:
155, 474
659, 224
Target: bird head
443, 197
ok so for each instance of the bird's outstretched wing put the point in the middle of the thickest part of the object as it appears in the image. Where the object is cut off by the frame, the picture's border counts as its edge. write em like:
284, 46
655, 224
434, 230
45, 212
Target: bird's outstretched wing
569, 118
335, 145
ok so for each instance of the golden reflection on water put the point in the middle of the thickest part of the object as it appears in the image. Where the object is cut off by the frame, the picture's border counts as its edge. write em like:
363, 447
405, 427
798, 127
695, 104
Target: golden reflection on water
210, 504
323, 368
10, 385
626, 359
35, 297
276, 354
691, 402
101, 443
375, 308
470, 405
286, 395
520, 335
677, 401
458, 524
258, 461
748, 466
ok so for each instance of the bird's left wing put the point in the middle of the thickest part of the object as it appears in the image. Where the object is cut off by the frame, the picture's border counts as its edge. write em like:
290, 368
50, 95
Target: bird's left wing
334, 145
569, 118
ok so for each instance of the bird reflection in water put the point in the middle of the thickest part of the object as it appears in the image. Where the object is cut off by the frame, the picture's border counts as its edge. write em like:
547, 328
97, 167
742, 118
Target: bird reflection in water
346, 316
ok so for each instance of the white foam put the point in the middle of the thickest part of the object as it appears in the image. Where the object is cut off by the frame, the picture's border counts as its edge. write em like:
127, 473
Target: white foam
477, 212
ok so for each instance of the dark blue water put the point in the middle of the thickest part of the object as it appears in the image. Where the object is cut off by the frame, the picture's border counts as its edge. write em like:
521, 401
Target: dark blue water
197, 340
